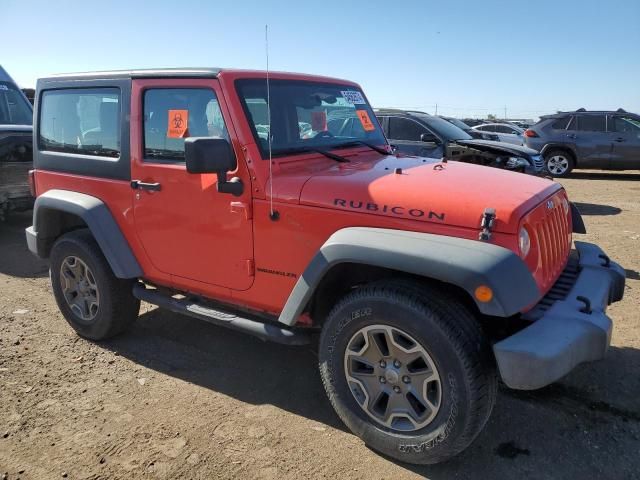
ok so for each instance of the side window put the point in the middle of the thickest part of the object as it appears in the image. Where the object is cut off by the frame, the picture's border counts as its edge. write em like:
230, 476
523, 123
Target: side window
561, 123
405, 129
173, 114
626, 125
592, 123
82, 121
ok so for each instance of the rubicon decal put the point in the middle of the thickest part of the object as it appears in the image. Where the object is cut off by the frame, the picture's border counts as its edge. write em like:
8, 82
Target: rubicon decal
394, 210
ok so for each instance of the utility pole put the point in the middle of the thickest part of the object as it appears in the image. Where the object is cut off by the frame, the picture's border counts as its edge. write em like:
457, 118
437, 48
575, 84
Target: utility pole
505, 112
436, 109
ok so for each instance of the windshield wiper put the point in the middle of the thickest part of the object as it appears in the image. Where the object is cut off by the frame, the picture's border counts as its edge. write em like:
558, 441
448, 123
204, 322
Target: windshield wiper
330, 155
362, 142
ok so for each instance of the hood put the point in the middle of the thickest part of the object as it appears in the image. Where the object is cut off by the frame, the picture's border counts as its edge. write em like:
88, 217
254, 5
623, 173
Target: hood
498, 147
427, 190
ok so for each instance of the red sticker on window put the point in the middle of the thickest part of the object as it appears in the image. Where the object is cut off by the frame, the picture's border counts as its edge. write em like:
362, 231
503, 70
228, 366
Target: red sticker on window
318, 121
178, 125
365, 120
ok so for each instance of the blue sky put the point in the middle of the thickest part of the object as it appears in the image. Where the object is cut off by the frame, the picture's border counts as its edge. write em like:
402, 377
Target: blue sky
472, 58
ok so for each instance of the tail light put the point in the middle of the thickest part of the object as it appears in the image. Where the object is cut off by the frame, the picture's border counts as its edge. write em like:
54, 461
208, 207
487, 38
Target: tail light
32, 182
530, 133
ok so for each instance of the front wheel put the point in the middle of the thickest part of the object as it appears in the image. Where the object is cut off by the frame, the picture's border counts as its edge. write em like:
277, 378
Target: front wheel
408, 370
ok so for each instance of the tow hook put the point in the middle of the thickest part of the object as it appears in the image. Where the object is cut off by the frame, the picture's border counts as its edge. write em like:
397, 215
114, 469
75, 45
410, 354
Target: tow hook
488, 218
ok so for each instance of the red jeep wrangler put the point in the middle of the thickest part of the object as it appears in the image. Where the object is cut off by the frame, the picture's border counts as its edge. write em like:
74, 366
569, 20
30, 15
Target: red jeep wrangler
272, 204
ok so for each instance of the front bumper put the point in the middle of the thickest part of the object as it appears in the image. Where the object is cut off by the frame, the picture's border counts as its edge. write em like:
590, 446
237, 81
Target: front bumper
570, 331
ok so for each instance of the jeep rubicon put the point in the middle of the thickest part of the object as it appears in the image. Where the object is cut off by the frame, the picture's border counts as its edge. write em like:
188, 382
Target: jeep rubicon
222, 195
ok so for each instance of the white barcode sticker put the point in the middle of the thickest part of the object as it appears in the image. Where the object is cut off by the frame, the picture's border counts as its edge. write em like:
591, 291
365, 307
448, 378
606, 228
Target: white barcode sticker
353, 96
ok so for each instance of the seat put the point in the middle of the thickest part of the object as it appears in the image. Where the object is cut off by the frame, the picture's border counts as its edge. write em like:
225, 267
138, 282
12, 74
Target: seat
106, 136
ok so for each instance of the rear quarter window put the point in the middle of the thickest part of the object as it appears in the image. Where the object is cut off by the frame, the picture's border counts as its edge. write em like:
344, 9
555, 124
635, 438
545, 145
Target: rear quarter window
81, 121
561, 123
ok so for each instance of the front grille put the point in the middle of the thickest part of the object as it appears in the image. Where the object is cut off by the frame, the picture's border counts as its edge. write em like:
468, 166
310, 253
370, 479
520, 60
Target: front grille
538, 162
550, 224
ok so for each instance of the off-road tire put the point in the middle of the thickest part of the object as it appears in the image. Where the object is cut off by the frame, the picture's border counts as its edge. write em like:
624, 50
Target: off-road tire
455, 342
117, 309
555, 155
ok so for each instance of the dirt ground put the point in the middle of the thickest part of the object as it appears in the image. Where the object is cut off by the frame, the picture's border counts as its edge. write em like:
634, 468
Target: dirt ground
178, 398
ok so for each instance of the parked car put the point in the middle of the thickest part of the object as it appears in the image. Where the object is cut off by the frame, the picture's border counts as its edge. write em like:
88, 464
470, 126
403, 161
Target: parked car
470, 131
520, 123
506, 132
16, 156
421, 134
607, 140
158, 185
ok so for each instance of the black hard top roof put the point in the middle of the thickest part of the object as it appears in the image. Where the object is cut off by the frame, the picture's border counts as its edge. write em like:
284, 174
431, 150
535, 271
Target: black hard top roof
203, 72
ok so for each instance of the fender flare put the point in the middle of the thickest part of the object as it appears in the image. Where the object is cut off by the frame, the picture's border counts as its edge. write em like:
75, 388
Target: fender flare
458, 261
98, 218
561, 146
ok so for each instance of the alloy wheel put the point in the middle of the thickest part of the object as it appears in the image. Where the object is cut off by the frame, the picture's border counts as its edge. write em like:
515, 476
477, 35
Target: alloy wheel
79, 288
558, 165
392, 377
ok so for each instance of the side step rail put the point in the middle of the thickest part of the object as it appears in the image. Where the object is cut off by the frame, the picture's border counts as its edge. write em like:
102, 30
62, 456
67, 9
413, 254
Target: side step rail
264, 331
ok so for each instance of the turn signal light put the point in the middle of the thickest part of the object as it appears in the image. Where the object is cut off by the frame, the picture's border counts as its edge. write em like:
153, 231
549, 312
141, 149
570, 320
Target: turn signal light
530, 133
483, 294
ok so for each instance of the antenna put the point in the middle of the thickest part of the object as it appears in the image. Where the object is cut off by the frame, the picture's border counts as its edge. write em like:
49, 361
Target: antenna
273, 215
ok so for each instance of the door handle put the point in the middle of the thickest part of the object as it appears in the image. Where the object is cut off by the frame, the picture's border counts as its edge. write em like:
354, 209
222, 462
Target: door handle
138, 185
620, 139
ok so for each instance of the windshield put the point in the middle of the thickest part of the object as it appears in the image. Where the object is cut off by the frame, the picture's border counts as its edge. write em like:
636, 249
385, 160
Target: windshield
444, 129
307, 115
14, 109
458, 123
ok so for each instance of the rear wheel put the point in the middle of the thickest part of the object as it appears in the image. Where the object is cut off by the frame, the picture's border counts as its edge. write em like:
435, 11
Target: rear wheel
408, 370
96, 303
559, 163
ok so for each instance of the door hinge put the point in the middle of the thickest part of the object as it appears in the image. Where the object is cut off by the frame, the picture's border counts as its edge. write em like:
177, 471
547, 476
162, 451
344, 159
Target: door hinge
251, 268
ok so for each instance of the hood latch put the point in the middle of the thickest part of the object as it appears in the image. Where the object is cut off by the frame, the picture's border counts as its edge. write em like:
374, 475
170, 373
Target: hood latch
486, 224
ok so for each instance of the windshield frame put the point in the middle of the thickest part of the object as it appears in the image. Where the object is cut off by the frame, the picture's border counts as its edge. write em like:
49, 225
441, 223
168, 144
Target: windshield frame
290, 149
26, 105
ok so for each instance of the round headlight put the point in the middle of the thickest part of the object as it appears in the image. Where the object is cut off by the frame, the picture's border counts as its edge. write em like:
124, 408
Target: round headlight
524, 241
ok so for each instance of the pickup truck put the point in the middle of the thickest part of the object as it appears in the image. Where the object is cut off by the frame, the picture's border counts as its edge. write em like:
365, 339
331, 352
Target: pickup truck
223, 195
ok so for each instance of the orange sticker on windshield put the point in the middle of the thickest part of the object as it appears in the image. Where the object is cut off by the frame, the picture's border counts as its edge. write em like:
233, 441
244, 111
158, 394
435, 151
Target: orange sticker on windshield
178, 124
318, 121
365, 120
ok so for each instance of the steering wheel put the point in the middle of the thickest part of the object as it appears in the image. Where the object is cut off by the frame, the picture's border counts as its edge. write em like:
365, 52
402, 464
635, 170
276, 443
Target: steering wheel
324, 134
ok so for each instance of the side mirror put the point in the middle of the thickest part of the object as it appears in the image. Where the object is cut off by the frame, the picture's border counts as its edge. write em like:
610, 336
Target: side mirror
429, 137
213, 155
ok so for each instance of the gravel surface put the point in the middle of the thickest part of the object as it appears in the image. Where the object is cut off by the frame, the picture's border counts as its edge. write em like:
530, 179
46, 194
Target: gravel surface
178, 398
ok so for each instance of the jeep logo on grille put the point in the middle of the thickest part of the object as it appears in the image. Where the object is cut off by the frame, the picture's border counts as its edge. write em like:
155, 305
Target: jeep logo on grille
550, 205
